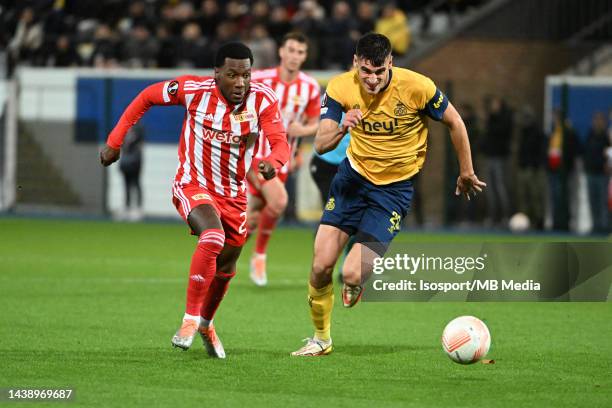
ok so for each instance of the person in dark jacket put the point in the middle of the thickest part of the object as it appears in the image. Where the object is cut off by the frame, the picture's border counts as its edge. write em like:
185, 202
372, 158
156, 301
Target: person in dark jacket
130, 166
530, 174
594, 154
496, 150
562, 152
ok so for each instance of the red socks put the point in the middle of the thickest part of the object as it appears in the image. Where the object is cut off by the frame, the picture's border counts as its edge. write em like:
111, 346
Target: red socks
267, 223
215, 294
203, 268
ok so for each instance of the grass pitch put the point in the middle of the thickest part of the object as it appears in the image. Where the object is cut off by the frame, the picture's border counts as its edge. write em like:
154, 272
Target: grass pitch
93, 305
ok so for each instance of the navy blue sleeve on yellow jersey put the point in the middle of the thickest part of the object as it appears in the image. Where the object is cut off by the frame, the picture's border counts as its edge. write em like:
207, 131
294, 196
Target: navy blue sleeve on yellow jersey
331, 109
436, 106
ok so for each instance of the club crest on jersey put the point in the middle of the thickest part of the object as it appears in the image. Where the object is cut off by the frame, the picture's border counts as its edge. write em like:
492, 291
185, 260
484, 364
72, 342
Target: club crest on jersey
244, 116
173, 87
298, 100
200, 196
331, 204
400, 109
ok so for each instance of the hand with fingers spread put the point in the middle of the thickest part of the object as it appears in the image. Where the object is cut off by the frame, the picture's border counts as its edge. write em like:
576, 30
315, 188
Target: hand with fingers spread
351, 119
469, 184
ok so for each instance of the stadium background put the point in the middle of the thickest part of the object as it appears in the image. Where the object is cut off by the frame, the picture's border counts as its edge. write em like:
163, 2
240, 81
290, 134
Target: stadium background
92, 303
56, 117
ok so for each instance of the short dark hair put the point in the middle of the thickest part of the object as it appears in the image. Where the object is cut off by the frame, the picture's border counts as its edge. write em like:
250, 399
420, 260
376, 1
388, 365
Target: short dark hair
373, 47
234, 50
294, 35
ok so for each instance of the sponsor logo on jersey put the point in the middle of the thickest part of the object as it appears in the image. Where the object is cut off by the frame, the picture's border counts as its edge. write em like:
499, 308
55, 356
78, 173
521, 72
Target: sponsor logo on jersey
201, 196
400, 109
384, 127
324, 100
211, 135
331, 204
356, 106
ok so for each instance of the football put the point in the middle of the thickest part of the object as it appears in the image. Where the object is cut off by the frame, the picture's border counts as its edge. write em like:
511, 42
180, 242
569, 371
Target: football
519, 222
466, 339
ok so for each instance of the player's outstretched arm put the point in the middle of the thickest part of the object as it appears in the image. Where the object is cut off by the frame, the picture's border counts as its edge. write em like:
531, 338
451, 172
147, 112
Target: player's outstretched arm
467, 182
161, 93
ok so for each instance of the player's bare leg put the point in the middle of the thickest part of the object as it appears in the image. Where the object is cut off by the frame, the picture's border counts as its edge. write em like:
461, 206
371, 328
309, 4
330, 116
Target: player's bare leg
328, 245
205, 223
226, 270
357, 268
274, 203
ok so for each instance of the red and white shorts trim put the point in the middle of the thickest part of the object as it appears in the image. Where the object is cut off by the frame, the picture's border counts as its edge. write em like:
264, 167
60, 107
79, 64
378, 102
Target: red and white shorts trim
231, 210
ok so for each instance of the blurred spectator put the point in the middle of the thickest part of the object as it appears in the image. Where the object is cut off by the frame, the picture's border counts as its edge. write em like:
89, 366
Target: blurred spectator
394, 24
310, 18
366, 17
28, 38
262, 46
530, 176
339, 45
167, 50
260, 12
63, 54
105, 48
136, 16
594, 154
226, 32
496, 149
237, 12
279, 23
562, 152
209, 17
140, 48
193, 50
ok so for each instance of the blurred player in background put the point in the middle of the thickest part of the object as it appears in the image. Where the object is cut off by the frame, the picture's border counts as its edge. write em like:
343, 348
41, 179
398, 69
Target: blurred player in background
386, 110
224, 116
299, 101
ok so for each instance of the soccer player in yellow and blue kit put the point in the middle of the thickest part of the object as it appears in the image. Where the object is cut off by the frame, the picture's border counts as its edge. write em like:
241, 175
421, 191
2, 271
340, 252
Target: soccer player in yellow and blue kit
386, 110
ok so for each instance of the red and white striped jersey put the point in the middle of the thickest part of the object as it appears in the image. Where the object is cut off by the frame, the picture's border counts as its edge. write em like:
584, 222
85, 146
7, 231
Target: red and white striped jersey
218, 139
298, 100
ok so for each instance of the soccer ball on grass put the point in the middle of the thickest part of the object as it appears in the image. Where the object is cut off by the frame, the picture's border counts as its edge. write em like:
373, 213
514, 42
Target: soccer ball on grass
466, 339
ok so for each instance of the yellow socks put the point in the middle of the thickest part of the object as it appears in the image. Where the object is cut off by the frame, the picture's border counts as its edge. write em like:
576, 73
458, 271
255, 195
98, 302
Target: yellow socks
321, 303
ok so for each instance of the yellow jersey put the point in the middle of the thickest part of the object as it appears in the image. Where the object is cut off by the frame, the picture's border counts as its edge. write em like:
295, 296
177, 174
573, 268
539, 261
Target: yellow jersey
390, 143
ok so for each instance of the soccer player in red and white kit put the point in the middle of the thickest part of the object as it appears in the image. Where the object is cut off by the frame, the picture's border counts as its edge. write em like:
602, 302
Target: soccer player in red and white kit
223, 118
300, 105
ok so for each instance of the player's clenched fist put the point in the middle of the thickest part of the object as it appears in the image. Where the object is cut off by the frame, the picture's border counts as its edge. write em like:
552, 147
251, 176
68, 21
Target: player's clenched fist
108, 156
351, 119
266, 170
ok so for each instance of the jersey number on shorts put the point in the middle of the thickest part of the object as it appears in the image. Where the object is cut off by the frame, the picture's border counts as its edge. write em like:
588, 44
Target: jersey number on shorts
242, 229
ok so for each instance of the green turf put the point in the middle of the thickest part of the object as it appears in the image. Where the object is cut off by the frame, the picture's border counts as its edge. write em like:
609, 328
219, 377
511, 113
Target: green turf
93, 305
